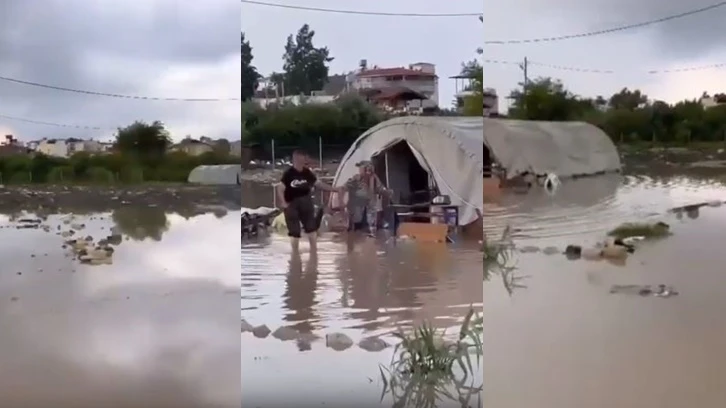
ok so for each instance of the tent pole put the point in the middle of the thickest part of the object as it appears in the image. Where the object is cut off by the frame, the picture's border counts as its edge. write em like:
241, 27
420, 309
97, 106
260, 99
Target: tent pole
388, 180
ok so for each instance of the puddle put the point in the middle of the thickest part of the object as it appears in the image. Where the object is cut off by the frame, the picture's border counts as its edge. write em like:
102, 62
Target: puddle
371, 291
566, 341
154, 327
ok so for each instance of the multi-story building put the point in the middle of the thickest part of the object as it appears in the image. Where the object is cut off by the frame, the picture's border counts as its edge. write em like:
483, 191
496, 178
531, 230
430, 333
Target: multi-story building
66, 147
192, 147
713, 101
414, 87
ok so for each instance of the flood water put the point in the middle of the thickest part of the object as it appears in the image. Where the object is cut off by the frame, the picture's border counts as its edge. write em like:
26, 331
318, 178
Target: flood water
157, 327
565, 341
373, 290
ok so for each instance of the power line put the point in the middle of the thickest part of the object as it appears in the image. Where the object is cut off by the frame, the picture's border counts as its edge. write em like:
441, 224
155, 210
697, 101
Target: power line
609, 30
605, 71
357, 12
111, 95
44, 123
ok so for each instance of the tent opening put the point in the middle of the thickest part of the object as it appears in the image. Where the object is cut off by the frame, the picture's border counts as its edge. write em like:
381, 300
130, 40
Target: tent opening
411, 183
487, 162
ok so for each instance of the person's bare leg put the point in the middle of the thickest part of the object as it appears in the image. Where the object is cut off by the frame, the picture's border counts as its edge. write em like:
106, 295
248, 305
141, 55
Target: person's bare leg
295, 244
313, 240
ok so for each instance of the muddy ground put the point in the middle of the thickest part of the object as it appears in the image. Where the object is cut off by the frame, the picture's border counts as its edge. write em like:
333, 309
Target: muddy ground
706, 158
50, 198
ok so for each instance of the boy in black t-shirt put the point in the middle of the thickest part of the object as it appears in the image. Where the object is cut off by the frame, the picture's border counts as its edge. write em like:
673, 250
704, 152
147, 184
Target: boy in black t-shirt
295, 196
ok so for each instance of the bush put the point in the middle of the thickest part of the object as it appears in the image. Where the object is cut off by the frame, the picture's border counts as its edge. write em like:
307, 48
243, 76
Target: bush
303, 125
108, 168
100, 175
132, 174
60, 174
20, 177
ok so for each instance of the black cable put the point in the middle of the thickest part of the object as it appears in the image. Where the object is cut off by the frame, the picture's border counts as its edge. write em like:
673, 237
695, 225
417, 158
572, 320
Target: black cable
40, 122
609, 30
363, 13
110, 95
605, 71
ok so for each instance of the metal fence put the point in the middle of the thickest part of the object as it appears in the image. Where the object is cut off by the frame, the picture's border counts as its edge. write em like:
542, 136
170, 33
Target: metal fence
274, 156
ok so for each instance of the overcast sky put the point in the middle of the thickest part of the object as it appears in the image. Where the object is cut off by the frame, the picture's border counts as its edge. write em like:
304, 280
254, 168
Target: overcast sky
689, 42
166, 48
383, 41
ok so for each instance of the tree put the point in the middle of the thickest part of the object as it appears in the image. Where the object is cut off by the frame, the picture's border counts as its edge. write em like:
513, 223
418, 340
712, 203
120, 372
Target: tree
627, 99
547, 99
627, 117
250, 76
142, 140
474, 104
305, 66
222, 147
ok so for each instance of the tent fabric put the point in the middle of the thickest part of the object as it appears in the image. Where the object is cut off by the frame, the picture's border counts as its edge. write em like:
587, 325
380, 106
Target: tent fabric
564, 148
224, 174
449, 149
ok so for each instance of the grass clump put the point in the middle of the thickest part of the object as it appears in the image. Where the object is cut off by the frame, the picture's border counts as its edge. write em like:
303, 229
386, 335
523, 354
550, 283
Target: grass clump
641, 229
423, 371
498, 256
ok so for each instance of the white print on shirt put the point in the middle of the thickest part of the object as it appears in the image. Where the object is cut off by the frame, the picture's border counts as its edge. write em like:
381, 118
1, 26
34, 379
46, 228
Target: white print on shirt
298, 183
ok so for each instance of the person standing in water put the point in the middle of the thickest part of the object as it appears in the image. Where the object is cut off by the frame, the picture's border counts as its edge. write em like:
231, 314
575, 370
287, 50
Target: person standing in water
294, 193
363, 191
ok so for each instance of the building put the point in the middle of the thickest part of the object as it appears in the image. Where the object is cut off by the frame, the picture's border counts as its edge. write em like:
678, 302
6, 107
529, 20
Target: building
414, 87
712, 101
66, 147
491, 102
192, 147
235, 148
10, 140
411, 88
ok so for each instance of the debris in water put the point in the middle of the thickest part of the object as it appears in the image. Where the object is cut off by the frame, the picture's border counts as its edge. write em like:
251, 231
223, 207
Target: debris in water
373, 344
261, 331
285, 333
246, 327
338, 341
661, 290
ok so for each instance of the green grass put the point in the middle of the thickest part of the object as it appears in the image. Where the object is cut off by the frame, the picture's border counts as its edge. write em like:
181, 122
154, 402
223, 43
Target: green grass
423, 371
640, 229
498, 261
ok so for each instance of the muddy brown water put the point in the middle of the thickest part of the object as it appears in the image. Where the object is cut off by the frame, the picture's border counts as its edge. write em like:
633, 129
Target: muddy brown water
564, 341
156, 328
373, 290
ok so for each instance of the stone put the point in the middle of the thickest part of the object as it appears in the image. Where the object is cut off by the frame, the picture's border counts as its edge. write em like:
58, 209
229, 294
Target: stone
261, 331
338, 341
285, 333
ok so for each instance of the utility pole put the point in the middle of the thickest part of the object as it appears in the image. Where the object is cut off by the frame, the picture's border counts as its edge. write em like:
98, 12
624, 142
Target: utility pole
524, 67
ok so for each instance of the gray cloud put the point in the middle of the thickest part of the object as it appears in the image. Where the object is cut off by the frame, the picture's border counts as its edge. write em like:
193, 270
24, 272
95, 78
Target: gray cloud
154, 48
689, 42
383, 41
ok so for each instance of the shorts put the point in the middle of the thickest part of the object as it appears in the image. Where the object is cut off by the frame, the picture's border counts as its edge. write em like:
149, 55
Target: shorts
300, 216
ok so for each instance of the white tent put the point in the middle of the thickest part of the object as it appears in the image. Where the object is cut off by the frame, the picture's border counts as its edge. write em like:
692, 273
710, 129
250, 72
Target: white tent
449, 149
223, 174
564, 148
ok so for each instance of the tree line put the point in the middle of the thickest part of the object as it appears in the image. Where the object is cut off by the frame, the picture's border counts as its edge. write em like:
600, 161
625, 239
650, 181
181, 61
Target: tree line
627, 116
140, 154
305, 69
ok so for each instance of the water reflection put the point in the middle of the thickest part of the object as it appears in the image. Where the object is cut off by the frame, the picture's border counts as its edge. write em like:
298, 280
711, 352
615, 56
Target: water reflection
565, 341
157, 327
371, 291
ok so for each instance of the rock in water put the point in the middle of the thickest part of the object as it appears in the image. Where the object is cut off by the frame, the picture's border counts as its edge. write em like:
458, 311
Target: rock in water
261, 331
372, 344
285, 333
338, 341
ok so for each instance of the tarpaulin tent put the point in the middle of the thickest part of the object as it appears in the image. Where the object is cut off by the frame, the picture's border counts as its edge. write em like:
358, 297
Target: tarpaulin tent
448, 149
223, 174
563, 148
